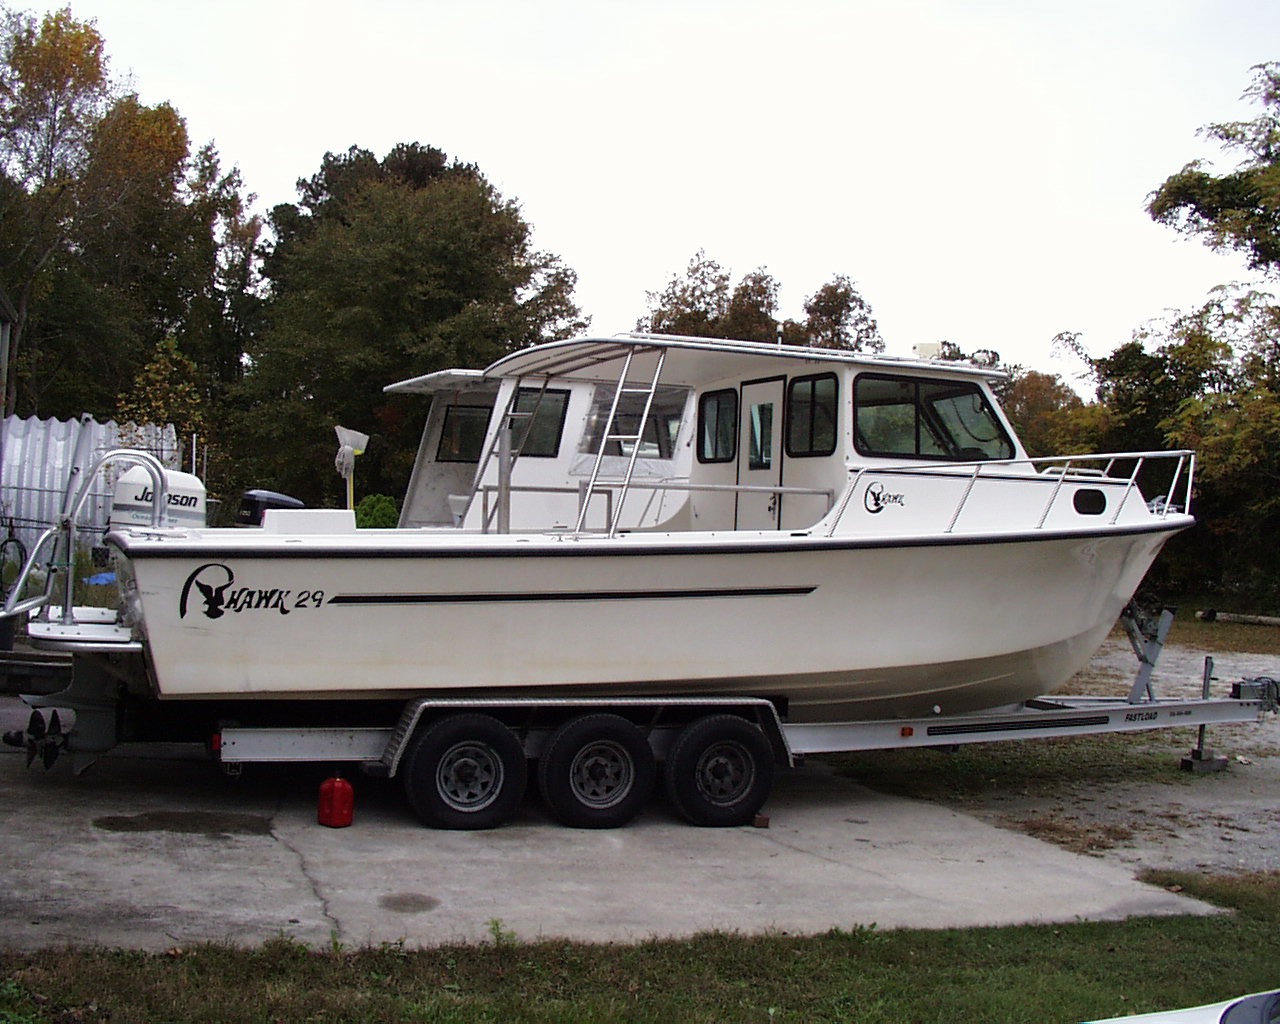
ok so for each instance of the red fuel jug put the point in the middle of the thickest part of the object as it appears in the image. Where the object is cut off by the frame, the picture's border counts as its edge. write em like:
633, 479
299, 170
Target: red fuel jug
337, 803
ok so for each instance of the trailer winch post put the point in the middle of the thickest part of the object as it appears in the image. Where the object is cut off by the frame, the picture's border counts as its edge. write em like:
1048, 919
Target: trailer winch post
1147, 643
1201, 759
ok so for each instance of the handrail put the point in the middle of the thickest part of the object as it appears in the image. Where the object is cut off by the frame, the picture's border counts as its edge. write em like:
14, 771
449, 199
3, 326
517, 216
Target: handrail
680, 486
1059, 467
65, 528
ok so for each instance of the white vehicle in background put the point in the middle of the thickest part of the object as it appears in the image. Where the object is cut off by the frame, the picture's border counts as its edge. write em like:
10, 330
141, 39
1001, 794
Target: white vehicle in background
1262, 1008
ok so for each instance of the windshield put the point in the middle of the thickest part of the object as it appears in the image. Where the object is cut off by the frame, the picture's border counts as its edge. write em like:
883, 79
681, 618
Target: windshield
919, 418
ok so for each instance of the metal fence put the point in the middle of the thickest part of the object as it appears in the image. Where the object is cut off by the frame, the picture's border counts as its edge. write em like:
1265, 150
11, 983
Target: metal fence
37, 460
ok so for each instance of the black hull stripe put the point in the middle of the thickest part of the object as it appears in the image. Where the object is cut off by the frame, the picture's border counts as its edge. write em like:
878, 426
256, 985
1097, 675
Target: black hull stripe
541, 597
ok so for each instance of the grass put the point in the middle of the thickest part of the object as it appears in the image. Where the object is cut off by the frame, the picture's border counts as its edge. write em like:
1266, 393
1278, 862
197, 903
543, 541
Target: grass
1034, 973
1231, 637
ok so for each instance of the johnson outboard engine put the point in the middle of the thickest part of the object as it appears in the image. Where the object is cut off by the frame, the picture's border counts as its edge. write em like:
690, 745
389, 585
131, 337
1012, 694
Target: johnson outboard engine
133, 499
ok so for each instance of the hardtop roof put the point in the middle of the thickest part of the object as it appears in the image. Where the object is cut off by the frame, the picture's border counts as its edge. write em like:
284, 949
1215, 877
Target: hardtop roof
694, 360
443, 380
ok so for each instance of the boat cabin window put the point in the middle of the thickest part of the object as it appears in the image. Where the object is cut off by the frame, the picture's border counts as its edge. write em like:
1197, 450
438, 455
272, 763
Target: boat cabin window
462, 433
718, 426
811, 415
760, 438
657, 440
539, 434
934, 419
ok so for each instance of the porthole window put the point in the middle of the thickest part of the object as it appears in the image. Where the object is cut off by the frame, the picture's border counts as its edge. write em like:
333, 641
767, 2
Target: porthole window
1089, 501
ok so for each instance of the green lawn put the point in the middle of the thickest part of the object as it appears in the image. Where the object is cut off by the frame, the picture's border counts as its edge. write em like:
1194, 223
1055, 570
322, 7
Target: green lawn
1044, 973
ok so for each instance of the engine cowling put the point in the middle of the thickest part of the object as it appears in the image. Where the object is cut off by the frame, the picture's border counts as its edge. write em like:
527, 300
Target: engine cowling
133, 499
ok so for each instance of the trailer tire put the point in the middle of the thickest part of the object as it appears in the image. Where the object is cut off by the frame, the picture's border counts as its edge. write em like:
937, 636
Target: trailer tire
466, 771
719, 771
597, 771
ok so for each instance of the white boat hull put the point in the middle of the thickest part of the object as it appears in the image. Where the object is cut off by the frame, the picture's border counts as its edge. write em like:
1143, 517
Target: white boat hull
838, 629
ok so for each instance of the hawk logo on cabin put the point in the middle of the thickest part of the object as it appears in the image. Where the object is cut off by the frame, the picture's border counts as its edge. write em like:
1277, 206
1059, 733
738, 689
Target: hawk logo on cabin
876, 499
212, 582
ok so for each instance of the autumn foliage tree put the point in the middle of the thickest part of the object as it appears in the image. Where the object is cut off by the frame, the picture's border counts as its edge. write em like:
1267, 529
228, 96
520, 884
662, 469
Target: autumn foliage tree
704, 303
167, 391
113, 235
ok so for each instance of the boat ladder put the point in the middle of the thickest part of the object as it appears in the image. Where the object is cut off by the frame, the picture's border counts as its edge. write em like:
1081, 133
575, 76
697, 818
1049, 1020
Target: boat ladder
598, 484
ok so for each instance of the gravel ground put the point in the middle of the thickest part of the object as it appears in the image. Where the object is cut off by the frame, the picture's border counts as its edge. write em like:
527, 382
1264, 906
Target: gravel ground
1218, 822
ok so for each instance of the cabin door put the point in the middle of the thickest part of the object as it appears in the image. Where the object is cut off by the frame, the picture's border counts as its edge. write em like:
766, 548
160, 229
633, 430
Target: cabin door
760, 454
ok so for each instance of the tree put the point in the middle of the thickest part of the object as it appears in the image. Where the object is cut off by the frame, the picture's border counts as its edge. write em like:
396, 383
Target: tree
1240, 209
694, 305
385, 270
166, 391
751, 315
1232, 420
1037, 405
113, 237
839, 317
53, 91
702, 304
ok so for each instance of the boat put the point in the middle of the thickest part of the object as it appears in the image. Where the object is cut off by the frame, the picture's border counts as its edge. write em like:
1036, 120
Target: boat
848, 536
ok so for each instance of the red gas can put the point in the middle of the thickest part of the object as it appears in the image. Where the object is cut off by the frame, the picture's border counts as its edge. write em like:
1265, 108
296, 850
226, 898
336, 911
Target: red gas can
337, 803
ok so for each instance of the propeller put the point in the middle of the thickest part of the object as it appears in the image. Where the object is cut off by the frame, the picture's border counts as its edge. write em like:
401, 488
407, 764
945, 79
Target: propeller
47, 735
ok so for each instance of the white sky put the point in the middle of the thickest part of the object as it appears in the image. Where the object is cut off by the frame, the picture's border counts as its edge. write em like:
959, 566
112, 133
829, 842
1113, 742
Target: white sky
978, 168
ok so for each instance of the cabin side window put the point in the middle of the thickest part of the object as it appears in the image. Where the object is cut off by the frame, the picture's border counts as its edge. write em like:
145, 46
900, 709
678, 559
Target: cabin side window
811, 415
540, 421
462, 433
718, 426
661, 429
931, 419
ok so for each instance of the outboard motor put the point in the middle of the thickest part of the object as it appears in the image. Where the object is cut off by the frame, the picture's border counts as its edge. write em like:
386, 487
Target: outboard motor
254, 503
133, 499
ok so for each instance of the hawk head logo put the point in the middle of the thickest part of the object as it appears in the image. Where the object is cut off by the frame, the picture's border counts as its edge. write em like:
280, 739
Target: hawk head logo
211, 580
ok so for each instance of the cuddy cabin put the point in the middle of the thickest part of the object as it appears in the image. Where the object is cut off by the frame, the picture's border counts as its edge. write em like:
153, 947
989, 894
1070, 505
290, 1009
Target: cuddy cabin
648, 433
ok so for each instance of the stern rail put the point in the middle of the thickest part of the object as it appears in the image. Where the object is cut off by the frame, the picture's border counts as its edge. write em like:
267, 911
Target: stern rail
62, 534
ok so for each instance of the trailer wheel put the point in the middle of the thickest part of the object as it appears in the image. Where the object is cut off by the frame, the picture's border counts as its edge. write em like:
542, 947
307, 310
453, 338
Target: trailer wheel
465, 772
596, 772
719, 771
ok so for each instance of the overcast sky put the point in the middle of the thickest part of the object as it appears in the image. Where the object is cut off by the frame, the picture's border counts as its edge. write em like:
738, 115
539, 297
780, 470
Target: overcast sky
978, 168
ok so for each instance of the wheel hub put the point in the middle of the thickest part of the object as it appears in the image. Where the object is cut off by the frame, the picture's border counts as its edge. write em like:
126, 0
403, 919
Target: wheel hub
469, 777
724, 772
602, 774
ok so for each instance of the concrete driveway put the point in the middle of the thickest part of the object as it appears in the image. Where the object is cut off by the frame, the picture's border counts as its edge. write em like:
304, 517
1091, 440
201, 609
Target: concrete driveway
153, 848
